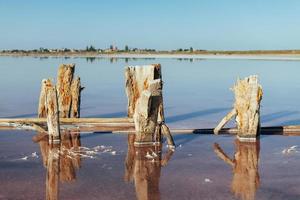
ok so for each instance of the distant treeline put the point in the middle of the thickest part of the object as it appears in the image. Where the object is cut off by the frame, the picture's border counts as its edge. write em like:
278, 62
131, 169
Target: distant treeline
90, 49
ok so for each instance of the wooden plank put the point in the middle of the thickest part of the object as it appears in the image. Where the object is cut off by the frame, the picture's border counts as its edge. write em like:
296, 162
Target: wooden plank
67, 120
223, 122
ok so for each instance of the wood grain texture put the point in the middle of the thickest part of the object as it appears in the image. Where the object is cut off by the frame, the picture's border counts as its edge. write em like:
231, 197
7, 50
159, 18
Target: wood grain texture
64, 82
248, 94
145, 102
52, 114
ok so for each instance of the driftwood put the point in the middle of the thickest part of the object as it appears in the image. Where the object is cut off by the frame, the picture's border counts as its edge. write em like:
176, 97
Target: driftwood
52, 115
245, 179
145, 102
248, 94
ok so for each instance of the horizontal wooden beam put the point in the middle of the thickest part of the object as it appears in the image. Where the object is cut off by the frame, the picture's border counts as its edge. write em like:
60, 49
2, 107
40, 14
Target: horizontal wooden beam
125, 125
275, 130
67, 120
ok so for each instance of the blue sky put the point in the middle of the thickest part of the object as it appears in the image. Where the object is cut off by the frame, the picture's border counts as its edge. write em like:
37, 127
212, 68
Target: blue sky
160, 24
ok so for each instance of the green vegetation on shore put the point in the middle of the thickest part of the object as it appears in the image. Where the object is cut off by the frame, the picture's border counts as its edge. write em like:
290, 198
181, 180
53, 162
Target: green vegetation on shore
91, 50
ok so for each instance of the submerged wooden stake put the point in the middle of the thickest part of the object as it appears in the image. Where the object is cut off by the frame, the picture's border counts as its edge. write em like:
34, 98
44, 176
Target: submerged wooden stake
248, 95
145, 102
52, 115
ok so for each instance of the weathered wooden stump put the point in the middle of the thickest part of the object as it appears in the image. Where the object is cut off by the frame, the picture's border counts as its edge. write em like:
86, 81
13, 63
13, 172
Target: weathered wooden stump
52, 114
248, 95
68, 92
145, 103
42, 106
245, 179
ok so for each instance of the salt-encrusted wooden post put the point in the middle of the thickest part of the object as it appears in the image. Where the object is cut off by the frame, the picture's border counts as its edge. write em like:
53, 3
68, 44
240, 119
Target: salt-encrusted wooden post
52, 115
69, 91
76, 98
42, 107
64, 82
248, 94
42, 114
68, 94
145, 103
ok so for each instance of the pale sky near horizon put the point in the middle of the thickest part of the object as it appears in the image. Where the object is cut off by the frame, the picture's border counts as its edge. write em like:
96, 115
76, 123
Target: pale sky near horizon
159, 24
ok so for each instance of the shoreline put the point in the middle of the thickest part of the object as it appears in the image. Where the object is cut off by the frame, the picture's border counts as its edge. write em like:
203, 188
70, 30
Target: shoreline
262, 56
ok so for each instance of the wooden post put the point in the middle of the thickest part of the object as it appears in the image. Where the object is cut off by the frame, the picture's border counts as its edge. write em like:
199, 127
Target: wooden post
76, 98
68, 96
145, 102
46, 83
248, 95
42, 107
52, 115
64, 82
69, 91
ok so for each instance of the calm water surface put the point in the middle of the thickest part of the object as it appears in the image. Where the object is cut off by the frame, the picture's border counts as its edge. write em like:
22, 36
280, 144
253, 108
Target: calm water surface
104, 166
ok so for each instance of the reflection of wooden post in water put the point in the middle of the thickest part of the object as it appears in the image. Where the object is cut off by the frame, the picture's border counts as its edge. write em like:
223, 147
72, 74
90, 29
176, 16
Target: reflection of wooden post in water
248, 94
245, 179
60, 163
145, 103
68, 163
145, 171
52, 179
